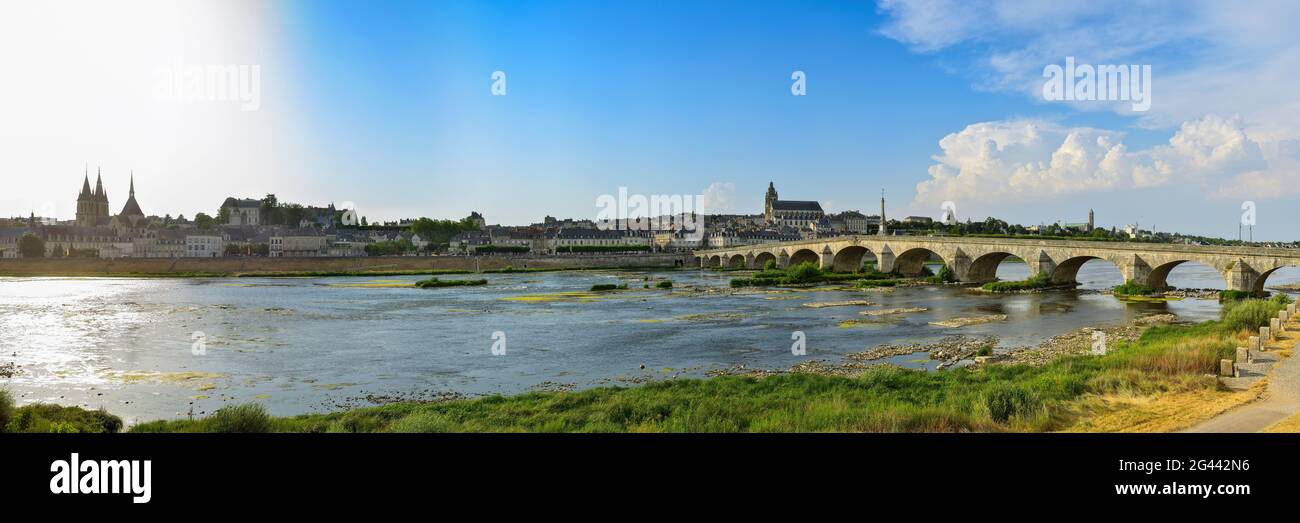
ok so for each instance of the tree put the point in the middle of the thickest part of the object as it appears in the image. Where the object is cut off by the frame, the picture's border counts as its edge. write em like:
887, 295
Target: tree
223, 215
31, 246
203, 221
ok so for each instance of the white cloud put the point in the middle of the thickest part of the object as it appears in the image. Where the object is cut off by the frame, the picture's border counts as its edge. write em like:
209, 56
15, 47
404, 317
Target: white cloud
1209, 58
719, 198
1013, 159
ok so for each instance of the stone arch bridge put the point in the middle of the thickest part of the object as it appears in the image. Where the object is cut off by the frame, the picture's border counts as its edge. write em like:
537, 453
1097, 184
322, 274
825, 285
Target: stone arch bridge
975, 260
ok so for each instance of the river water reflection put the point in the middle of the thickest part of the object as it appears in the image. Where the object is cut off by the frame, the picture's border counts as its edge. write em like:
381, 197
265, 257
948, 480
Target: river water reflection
307, 344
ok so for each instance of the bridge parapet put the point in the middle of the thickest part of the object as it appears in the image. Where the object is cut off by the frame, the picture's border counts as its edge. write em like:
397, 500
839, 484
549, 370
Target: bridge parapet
975, 259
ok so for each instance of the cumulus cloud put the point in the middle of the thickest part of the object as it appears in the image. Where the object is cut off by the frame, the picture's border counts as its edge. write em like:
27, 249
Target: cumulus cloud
1012, 159
719, 198
1209, 59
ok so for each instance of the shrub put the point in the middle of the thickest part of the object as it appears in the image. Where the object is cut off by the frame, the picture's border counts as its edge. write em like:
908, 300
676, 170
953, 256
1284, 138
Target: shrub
1248, 314
1132, 288
6, 409
946, 275
666, 284
770, 265
1007, 401
435, 282
1041, 280
246, 418
804, 272
607, 287
1230, 295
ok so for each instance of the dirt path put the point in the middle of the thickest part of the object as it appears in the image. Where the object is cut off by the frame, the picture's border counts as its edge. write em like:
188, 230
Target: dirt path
1280, 400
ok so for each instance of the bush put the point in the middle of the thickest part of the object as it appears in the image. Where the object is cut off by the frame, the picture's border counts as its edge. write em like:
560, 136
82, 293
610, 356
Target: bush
946, 275
1007, 401
246, 419
770, 265
666, 284
1042, 280
804, 272
6, 409
44, 417
1249, 314
1230, 295
607, 287
435, 282
1132, 288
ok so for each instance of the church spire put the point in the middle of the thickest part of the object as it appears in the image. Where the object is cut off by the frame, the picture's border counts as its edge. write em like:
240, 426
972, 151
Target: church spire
133, 183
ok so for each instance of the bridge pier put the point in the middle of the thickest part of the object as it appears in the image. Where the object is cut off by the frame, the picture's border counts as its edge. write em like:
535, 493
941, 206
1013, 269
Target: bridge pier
783, 260
749, 261
828, 260
1042, 265
1136, 270
885, 260
960, 264
1241, 277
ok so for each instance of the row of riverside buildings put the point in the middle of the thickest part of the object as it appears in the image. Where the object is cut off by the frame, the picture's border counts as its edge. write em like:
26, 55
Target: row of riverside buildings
241, 229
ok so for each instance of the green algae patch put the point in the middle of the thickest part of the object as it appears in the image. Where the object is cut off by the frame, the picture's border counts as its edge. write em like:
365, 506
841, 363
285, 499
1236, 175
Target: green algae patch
710, 317
551, 297
199, 381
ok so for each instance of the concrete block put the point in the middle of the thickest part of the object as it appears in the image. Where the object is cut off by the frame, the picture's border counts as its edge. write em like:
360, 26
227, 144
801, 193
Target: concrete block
1265, 335
1243, 355
1226, 368
1290, 309
1254, 344
1273, 325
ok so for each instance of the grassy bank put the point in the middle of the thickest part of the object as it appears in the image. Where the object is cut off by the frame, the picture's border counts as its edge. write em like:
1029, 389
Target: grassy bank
1040, 281
1069, 393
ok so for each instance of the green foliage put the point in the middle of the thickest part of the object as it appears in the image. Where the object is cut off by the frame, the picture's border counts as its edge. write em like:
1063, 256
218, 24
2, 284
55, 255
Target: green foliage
435, 282
603, 248
805, 272
439, 232
665, 284
1040, 281
31, 246
504, 249
608, 287
946, 275
770, 265
390, 248
42, 417
244, 418
6, 409
1249, 314
1132, 288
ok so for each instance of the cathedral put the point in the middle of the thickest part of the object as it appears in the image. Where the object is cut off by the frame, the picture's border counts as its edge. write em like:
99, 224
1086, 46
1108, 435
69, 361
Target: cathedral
92, 206
789, 213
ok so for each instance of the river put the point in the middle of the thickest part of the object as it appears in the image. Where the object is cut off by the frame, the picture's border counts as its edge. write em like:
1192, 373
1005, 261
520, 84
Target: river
161, 348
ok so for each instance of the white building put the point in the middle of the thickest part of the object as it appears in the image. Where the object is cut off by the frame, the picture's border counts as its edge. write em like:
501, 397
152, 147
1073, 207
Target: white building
204, 246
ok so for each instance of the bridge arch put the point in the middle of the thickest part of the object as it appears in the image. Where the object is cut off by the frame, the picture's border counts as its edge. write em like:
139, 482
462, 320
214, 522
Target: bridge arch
715, 261
1261, 281
984, 269
1159, 277
736, 261
762, 258
911, 262
1067, 271
805, 255
850, 259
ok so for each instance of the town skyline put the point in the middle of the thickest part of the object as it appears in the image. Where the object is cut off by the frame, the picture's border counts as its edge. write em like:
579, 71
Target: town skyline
931, 109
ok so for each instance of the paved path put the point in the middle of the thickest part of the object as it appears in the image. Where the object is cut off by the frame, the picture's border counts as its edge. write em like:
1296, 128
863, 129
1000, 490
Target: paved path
1280, 400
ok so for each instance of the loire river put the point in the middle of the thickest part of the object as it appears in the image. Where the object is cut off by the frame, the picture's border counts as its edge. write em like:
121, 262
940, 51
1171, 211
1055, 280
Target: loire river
311, 344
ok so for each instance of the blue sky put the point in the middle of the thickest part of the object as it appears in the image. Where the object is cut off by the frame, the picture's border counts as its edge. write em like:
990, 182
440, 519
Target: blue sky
388, 105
